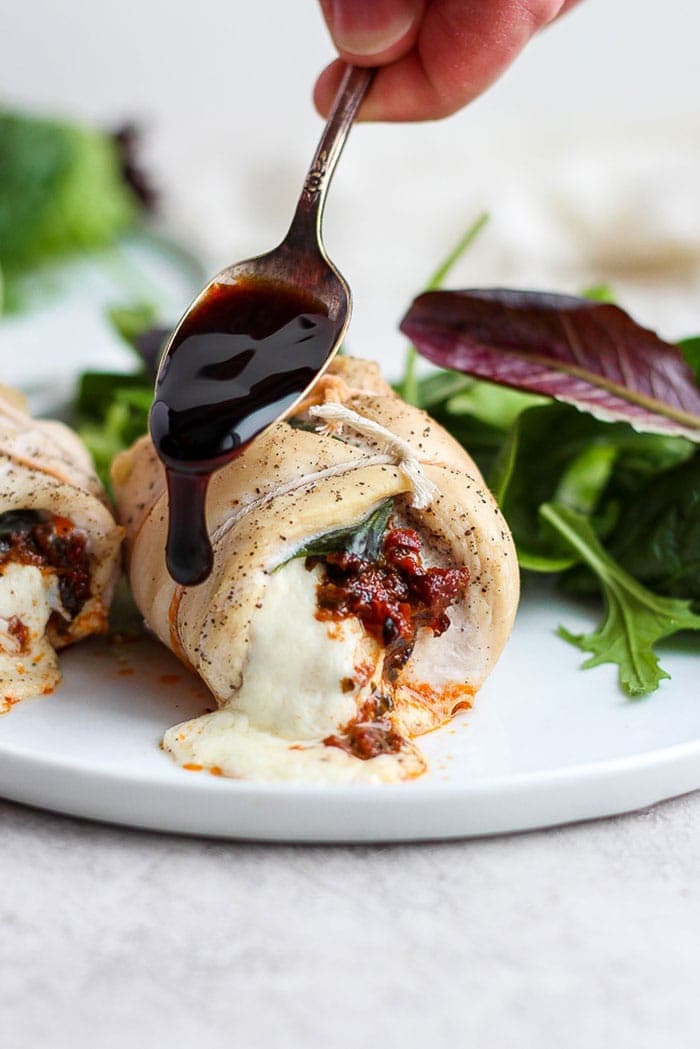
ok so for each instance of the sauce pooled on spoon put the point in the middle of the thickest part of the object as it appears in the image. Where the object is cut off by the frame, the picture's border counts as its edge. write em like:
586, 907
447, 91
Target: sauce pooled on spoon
241, 359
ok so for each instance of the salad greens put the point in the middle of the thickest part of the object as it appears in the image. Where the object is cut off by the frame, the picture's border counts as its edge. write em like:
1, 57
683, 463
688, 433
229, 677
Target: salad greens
657, 536
690, 348
63, 189
607, 509
635, 617
111, 408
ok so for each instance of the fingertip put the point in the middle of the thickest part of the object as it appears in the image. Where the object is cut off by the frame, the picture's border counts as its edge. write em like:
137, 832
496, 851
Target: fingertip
399, 93
373, 32
326, 87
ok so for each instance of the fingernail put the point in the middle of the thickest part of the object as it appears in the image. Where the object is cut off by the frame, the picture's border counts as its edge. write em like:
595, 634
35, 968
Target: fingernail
368, 27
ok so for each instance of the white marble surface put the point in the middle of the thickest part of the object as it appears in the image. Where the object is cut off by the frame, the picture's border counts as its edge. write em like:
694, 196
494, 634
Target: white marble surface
582, 936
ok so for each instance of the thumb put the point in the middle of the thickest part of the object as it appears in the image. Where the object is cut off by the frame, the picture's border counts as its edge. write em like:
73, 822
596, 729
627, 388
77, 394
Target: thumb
382, 30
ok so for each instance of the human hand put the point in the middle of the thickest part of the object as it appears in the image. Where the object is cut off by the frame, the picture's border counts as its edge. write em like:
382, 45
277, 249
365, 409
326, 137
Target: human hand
435, 55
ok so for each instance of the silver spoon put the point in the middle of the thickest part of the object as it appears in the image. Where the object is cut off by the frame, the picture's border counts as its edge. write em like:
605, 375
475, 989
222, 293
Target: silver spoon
249, 348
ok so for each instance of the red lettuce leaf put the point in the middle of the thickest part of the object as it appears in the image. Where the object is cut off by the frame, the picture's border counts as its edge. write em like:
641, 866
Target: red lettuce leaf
589, 354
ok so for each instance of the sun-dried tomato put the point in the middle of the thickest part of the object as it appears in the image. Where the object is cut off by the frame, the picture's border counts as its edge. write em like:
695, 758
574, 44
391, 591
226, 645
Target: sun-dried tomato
48, 541
392, 597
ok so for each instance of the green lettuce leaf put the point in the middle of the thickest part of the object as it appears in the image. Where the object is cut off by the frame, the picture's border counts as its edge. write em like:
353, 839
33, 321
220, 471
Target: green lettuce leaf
635, 618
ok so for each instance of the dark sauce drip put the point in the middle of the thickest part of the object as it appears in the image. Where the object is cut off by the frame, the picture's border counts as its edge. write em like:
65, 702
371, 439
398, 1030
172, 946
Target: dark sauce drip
243, 358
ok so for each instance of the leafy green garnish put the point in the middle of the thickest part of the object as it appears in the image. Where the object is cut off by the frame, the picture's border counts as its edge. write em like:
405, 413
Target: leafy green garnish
690, 348
363, 539
635, 618
556, 453
599, 293
111, 408
112, 413
657, 537
61, 191
132, 321
496, 406
636, 497
437, 389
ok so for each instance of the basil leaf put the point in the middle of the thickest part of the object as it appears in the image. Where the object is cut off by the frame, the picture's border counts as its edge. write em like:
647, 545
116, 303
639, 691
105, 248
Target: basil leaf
12, 521
363, 539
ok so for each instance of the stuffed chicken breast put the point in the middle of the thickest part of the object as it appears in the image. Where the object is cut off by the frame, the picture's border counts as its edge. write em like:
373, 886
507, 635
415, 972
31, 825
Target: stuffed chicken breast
364, 584
59, 549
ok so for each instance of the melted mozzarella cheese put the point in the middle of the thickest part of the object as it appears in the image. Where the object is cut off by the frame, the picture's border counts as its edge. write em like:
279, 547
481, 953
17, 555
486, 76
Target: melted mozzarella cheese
28, 595
295, 692
293, 680
226, 743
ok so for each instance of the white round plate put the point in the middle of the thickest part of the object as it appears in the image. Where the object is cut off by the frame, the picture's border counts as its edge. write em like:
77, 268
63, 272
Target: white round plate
546, 743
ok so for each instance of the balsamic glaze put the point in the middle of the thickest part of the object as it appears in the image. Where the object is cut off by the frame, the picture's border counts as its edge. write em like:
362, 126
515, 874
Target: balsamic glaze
242, 358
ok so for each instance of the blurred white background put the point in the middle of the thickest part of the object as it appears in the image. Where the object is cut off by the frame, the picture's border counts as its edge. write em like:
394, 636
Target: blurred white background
586, 154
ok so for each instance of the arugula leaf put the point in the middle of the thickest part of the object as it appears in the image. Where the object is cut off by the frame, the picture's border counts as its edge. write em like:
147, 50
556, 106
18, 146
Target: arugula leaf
61, 191
657, 537
585, 478
635, 618
363, 539
111, 408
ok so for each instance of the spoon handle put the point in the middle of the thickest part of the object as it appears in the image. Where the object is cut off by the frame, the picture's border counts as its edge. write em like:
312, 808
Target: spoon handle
307, 218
